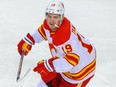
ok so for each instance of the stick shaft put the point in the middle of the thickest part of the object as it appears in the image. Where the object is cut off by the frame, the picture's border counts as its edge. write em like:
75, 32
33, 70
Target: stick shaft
20, 67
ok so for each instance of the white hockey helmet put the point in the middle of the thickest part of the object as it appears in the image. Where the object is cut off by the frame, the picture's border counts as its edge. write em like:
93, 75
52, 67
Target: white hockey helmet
55, 7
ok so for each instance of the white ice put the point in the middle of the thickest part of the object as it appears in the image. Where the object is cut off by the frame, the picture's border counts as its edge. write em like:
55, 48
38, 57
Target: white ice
95, 19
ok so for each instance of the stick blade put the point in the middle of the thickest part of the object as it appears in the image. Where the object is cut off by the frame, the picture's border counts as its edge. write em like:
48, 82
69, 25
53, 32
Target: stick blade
17, 79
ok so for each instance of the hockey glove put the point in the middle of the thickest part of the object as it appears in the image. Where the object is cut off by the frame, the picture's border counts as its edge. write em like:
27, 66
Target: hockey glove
46, 70
26, 44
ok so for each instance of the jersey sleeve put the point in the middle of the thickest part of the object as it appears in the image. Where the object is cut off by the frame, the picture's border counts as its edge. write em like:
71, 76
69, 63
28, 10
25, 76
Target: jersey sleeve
69, 57
68, 60
39, 34
61, 65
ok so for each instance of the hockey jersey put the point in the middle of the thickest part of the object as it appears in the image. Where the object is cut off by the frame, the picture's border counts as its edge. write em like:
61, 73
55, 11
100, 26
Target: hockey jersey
75, 57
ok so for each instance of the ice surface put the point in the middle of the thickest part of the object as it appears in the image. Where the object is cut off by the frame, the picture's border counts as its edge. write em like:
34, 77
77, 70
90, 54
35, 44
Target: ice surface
95, 19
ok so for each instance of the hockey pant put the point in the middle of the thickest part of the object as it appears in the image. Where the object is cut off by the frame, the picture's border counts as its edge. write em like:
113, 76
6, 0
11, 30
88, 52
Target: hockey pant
60, 82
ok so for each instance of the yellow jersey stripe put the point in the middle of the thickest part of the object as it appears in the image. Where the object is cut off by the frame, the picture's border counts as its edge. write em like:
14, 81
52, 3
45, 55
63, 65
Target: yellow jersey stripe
72, 58
83, 73
42, 32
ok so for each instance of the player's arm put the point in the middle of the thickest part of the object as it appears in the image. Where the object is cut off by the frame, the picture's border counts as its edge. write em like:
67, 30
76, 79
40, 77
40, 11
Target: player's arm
70, 55
48, 68
30, 39
61, 64
66, 63
39, 35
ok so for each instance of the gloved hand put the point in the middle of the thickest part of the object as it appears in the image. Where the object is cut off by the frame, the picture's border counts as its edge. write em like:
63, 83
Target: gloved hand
25, 44
46, 69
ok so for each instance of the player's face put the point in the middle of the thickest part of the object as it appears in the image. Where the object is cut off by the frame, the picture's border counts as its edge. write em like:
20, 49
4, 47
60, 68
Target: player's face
53, 21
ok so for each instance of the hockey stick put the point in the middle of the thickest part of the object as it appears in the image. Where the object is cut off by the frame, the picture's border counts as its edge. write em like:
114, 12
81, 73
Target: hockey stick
24, 75
20, 67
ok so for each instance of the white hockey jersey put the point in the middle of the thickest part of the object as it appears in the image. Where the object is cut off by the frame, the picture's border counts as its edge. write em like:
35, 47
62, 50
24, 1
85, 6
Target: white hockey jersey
75, 55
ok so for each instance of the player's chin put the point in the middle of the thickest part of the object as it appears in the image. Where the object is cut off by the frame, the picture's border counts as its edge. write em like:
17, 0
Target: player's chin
54, 29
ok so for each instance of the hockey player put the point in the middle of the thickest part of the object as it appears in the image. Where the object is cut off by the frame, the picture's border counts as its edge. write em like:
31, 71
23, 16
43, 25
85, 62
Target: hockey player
73, 59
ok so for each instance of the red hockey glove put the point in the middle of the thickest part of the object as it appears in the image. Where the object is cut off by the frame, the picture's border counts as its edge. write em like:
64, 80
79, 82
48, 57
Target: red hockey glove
26, 44
46, 70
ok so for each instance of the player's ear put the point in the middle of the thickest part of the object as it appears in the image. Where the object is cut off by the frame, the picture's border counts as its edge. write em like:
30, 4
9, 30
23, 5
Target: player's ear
46, 14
